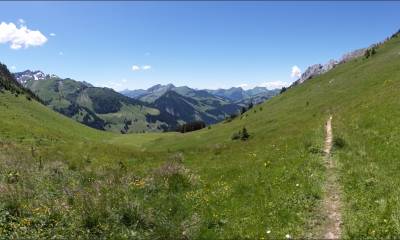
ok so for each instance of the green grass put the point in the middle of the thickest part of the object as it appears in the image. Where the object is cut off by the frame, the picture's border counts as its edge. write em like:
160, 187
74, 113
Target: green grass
59, 178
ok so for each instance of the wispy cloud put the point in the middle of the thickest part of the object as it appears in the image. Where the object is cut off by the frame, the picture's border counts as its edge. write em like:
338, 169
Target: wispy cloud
296, 72
21, 21
136, 68
13, 68
52, 34
61, 53
274, 84
146, 67
20, 37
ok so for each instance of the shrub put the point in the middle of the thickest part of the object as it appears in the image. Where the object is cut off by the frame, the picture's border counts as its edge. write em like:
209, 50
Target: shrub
339, 142
242, 110
191, 126
283, 90
373, 51
245, 135
130, 215
174, 176
250, 106
370, 52
236, 136
242, 135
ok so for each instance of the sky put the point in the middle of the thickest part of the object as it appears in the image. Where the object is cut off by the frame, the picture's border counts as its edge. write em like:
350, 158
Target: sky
132, 45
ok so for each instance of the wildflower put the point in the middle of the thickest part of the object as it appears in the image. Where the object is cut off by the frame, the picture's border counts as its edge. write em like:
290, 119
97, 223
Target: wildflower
288, 236
268, 231
297, 184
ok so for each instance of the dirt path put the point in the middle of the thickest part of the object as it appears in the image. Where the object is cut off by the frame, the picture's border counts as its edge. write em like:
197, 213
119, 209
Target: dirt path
331, 227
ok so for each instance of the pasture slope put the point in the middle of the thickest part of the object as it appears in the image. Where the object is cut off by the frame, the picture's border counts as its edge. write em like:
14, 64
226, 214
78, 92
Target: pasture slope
64, 180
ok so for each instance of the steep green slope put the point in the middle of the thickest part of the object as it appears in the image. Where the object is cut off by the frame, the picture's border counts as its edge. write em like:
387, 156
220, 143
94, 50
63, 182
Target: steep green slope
8, 83
204, 185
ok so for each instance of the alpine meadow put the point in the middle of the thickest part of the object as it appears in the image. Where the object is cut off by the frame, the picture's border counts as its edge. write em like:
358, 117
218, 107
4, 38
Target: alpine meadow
314, 159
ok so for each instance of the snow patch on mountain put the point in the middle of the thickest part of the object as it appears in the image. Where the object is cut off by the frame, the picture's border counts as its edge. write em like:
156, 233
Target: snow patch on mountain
28, 75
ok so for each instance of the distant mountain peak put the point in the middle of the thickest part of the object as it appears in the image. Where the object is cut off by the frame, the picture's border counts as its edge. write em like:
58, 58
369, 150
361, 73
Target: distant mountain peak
159, 87
29, 75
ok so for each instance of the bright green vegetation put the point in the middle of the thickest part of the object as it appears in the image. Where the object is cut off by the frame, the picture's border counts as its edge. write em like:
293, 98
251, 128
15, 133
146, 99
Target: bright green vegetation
100, 108
105, 109
59, 178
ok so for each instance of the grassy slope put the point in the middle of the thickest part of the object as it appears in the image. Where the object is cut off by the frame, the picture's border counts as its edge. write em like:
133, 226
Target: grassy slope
61, 93
233, 189
363, 97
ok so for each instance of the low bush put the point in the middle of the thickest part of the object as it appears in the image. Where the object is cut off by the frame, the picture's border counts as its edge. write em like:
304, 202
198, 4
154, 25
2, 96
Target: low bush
242, 135
339, 142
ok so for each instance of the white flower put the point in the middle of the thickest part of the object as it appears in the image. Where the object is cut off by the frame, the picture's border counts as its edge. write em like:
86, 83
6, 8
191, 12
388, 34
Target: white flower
268, 231
288, 236
297, 184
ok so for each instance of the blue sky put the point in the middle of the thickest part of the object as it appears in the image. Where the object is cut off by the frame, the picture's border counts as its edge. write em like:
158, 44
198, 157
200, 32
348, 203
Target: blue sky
199, 44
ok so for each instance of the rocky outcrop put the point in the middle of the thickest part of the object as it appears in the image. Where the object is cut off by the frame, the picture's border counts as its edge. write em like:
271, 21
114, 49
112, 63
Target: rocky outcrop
318, 69
315, 70
352, 55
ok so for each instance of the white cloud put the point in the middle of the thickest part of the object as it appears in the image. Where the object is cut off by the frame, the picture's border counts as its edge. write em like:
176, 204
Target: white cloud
135, 68
20, 37
124, 80
243, 85
52, 34
274, 84
21, 21
296, 72
146, 67
13, 67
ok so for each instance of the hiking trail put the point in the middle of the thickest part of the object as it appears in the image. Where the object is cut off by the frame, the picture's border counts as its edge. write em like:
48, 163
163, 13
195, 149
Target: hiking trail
331, 205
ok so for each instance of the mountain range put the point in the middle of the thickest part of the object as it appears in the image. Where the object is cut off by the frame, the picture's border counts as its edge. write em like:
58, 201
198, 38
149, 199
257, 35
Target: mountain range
159, 108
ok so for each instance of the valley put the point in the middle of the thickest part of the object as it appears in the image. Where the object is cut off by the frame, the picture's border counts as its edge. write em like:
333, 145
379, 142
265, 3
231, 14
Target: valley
199, 120
61, 178
157, 109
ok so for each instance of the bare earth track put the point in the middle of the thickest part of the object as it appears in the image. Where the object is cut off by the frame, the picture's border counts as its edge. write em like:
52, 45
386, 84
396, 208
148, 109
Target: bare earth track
331, 228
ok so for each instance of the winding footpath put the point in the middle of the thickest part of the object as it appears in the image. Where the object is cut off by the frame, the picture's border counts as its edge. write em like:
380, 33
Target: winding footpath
331, 228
